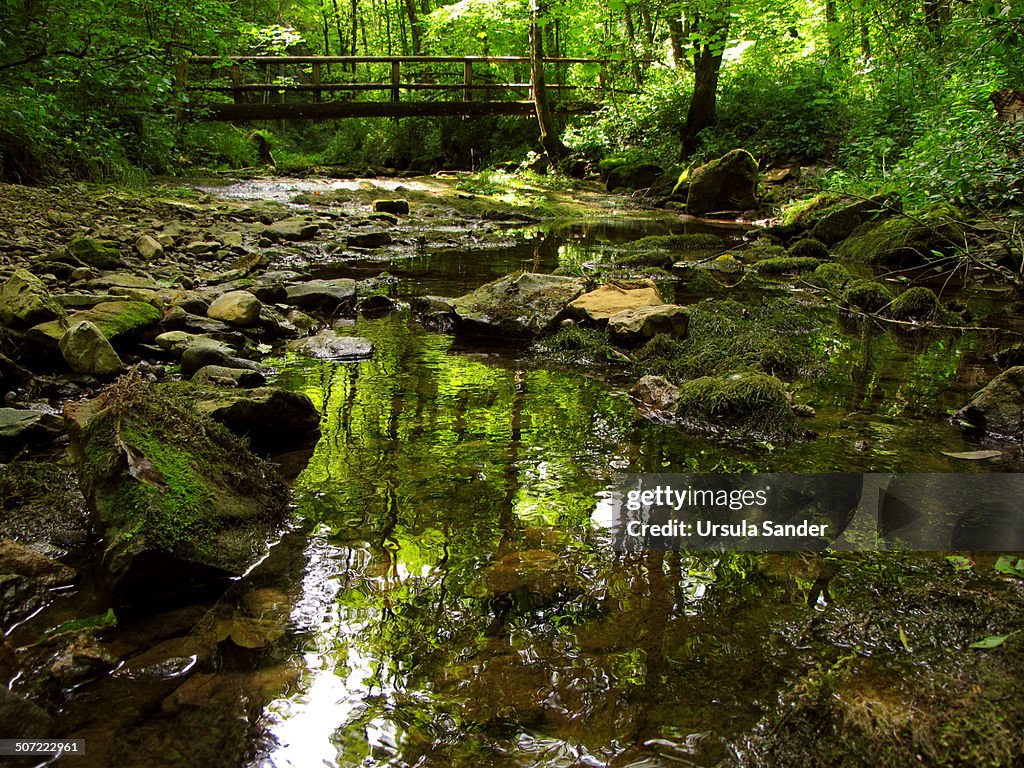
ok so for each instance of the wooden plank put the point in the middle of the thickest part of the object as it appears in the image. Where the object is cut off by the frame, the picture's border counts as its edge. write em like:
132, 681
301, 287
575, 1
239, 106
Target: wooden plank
467, 80
386, 59
345, 109
318, 94
396, 80
236, 82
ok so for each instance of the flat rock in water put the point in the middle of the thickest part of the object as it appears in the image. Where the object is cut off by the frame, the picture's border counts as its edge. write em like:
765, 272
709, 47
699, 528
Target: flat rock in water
323, 294
635, 325
610, 299
522, 304
275, 420
328, 345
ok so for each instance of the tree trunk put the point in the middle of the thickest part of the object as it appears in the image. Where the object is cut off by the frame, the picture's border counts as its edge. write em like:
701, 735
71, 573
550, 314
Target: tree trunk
675, 36
631, 37
414, 25
549, 138
702, 111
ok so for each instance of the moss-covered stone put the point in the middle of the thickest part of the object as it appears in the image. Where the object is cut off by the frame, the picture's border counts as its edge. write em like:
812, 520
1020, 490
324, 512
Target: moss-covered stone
918, 303
750, 403
867, 295
576, 345
101, 254
726, 183
831, 277
114, 319
839, 222
901, 241
175, 495
521, 304
997, 409
25, 300
629, 175
695, 241
786, 265
659, 259
809, 247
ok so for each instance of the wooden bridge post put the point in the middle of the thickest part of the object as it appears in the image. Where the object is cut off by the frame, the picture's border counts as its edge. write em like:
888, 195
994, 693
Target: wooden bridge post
318, 95
236, 82
396, 79
467, 80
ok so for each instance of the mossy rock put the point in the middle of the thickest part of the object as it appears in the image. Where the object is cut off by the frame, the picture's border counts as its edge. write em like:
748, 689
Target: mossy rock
803, 214
582, 346
809, 247
25, 300
658, 259
904, 242
841, 221
101, 254
633, 176
867, 295
918, 303
749, 403
786, 265
695, 241
830, 276
726, 183
997, 410
114, 319
521, 304
178, 498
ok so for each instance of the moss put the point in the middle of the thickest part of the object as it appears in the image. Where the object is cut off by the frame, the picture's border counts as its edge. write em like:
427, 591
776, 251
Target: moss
648, 259
830, 276
809, 247
805, 212
751, 403
903, 241
724, 337
918, 303
585, 346
689, 242
786, 264
867, 295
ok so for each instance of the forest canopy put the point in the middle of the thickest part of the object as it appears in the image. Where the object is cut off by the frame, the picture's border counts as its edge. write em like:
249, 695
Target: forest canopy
888, 93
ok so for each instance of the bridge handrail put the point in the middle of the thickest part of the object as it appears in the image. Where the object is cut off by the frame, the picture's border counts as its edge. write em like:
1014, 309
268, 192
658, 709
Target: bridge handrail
388, 59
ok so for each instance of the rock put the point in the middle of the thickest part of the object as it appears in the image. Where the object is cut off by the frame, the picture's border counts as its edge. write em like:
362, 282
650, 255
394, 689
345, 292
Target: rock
178, 499
839, 222
612, 298
809, 247
727, 183
656, 392
377, 305
904, 242
633, 176
274, 420
149, 248
26, 578
292, 230
209, 352
249, 261
632, 326
22, 719
998, 408
397, 207
386, 218
917, 303
114, 319
20, 427
328, 345
369, 240
751, 403
122, 280
202, 247
220, 376
175, 342
101, 254
86, 350
424, 305
25, 300
521, 304
302, 322
867, 295
323, 294
236, 307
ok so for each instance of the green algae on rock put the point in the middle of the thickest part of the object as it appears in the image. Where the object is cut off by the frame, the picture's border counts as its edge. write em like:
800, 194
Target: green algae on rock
750, 403
178, 498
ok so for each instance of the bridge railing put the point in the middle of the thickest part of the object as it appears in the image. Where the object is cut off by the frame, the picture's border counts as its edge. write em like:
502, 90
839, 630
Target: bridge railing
265, 79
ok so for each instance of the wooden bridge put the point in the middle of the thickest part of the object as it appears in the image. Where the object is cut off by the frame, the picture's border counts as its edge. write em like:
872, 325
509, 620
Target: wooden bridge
328, 87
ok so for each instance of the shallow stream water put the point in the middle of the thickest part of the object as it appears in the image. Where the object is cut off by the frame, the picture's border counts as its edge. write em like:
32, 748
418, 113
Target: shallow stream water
449, 596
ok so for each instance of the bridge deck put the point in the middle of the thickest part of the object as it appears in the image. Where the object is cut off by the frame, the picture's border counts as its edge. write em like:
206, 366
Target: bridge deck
281, 78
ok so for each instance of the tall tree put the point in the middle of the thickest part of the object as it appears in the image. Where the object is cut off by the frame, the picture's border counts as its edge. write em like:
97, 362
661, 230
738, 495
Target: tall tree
706, 26
549, 137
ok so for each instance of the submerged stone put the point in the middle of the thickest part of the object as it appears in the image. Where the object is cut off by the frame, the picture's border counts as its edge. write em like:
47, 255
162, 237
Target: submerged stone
328, 345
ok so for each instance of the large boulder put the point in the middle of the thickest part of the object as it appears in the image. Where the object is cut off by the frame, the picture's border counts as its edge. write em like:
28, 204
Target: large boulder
633, 176
323, 294
114, 319
25, 301
727, 183
236, 308
179, 500
610, 299
997, 409
521, 304
86, 350
632, 326
901, 241
293, 230
839, 222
